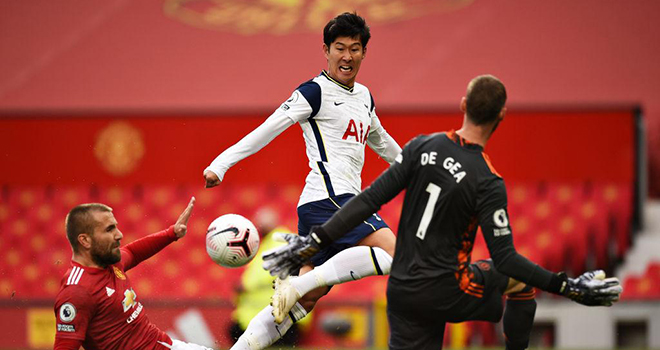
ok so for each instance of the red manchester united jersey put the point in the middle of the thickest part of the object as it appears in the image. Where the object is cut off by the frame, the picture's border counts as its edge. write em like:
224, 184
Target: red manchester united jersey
101, 308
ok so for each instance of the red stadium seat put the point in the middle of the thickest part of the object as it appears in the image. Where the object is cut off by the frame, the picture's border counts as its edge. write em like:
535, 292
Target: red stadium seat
550, 223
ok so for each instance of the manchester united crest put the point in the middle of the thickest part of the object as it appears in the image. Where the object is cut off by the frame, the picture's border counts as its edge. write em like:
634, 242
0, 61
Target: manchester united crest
118, 273
120, 148
281, 17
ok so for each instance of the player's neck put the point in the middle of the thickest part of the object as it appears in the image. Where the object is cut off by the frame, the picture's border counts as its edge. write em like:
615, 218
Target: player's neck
473, 134
349, 83
85, 260
478, 134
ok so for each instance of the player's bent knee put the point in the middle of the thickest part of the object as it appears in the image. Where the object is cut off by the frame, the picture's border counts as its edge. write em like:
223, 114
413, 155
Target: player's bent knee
383, 259
384, 239
516, 286
308, 301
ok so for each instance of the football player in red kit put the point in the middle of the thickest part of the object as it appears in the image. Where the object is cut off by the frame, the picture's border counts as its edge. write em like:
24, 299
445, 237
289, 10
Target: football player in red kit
97, 306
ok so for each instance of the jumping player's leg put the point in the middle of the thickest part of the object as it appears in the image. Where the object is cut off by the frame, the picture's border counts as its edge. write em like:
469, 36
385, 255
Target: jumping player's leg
363, 261
518, 315
372, 256
263, 331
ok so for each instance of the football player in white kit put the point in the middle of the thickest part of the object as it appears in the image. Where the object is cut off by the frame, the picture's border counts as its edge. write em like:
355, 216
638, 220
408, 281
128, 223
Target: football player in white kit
338, 117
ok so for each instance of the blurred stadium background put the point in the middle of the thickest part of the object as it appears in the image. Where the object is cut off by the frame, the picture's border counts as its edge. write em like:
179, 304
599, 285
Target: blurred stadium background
126, 103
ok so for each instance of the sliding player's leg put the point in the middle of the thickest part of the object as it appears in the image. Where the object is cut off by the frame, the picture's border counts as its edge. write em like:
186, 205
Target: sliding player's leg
372, 256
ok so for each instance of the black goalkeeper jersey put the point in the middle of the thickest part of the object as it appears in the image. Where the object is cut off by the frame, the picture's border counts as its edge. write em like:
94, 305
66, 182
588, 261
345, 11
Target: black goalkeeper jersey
451, 189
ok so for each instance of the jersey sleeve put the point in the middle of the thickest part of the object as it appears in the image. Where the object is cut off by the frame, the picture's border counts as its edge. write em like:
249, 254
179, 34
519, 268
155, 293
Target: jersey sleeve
251, 143
74, 308
303, 103
389, 184
380, 141
144, 248
67, 344
496, 228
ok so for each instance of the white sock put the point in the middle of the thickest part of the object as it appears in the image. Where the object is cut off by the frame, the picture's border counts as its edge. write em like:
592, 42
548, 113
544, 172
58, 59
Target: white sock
348, 265
262, 331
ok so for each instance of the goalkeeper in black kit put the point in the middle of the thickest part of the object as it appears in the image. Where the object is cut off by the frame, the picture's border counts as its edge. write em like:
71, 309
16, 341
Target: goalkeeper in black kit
451, 188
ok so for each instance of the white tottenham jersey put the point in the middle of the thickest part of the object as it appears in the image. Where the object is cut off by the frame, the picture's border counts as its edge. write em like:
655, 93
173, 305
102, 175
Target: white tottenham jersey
337, 121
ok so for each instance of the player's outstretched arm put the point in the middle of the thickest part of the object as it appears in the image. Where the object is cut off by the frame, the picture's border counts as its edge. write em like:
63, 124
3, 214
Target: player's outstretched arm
211, 179
181, 224
285, 260
381, 142
145, 247
247, 146
593, 289
67, 344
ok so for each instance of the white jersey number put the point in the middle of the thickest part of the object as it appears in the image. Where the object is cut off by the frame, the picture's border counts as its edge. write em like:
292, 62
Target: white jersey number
434, 193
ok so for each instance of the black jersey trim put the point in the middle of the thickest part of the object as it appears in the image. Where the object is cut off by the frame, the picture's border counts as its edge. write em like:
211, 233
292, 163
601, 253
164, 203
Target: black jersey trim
379, 271
319, 139
373, 104
347, 88
311, 90
326, 179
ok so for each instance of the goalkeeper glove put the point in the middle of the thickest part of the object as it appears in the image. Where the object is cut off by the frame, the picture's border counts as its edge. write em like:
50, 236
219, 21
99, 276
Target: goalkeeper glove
591, 288
286, 260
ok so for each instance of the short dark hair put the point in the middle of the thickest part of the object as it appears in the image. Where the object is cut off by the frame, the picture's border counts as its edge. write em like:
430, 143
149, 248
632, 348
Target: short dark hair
485, 97
349, 25
79, 220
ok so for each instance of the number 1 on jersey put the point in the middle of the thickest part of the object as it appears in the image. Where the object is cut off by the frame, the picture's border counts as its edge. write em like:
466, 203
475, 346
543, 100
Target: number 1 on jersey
434, 193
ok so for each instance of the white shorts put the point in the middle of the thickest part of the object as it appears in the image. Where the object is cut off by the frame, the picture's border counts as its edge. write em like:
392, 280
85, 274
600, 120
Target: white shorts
179, 345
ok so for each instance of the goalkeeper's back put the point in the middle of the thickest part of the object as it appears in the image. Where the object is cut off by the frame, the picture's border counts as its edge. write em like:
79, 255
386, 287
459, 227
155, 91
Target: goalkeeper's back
451, 188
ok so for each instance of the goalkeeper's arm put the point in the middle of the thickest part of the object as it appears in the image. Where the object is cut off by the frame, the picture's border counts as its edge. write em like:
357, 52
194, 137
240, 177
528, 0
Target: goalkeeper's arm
361, 207
589, 289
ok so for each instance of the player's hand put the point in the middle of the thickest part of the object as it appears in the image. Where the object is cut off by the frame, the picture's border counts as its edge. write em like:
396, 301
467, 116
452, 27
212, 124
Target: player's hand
211, 179
593, 289
288, 259
181, 225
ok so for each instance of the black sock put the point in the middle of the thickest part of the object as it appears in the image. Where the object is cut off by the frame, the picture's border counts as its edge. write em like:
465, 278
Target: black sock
519, 318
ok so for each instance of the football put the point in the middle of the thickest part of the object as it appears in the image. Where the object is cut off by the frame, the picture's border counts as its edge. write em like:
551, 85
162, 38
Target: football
232, 240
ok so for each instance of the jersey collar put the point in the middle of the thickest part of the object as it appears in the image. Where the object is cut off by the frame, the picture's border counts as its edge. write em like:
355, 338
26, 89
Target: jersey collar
89, 269
457, 139
347, 88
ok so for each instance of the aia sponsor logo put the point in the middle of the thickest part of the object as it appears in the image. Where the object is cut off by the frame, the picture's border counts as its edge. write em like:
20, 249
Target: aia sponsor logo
352, 132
